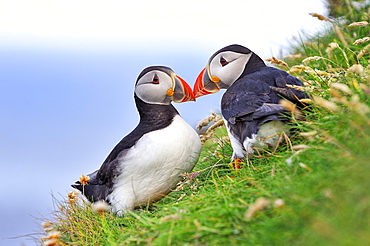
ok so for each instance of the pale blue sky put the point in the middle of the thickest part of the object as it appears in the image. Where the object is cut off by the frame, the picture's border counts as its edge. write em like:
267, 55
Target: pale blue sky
67, 72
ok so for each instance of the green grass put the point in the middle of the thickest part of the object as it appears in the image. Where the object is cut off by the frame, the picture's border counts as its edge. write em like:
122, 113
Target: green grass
324, 183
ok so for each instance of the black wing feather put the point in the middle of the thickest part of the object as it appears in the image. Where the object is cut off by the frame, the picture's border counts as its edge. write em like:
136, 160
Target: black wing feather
244, 98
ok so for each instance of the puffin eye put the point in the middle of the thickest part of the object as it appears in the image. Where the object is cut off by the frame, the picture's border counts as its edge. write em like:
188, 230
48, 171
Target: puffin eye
223, 61
155, 79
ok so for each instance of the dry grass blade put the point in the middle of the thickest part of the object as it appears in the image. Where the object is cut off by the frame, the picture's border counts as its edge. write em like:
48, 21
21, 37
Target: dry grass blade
260, 204
288, 105
325, 103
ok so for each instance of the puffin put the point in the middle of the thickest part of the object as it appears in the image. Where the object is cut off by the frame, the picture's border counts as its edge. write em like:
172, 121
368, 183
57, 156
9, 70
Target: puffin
250, 105
147, 164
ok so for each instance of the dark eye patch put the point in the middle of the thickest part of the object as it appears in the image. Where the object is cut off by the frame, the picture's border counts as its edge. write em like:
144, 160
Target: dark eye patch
155, 79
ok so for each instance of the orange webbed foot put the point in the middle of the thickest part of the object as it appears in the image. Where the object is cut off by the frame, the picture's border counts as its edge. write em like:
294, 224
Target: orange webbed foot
235, 164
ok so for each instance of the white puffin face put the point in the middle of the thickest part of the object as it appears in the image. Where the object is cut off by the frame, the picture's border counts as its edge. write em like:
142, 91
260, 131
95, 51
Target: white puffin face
226, 67
155, 87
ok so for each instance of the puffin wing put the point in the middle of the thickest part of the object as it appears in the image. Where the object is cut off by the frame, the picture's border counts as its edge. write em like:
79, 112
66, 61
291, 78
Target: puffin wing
254, 100
244, 98
285, 87
101, 181
268, 109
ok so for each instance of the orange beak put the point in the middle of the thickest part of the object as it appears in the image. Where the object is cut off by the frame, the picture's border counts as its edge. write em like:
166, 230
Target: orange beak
182, 92
204, 85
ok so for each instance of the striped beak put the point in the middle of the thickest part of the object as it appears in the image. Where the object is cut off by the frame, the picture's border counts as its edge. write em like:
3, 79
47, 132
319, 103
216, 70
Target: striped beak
182, 91
204, 84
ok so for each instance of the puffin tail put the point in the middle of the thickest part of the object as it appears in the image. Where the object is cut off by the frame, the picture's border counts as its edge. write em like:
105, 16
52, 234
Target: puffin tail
79, 187
93, 191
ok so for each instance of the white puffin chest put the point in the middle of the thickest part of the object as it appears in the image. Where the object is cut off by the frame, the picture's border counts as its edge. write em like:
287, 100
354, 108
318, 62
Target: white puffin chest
151, 168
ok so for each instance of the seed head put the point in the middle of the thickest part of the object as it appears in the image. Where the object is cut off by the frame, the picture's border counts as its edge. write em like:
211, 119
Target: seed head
170, 217
274, 60
47, 224
288, 105
300, 146
360, 23
363, 51
309, 135
295, 56
312, 58
302, 67
217, 124
357, 69
332, 46
305, 100
299, 69
325, 103
211, 118
358, 106
320, 17
296, 87
342, 87
362, 40
321, 73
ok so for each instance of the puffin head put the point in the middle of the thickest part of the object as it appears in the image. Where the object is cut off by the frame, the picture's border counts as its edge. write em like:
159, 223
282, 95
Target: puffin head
223, 68
160, 85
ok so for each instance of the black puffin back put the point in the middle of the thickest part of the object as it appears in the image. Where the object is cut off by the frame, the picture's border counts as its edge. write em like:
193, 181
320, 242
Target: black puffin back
242, 105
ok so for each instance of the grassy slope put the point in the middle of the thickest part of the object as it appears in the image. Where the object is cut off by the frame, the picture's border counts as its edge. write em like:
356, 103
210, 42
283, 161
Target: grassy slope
325, 188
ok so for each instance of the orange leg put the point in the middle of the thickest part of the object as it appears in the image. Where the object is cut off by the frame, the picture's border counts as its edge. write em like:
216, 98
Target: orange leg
235, 164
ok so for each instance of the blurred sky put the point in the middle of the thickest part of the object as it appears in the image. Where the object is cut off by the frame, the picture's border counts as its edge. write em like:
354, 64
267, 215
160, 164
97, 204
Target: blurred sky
67, 73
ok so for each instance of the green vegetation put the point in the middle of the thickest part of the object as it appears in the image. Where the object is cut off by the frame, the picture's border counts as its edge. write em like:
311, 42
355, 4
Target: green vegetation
312, 190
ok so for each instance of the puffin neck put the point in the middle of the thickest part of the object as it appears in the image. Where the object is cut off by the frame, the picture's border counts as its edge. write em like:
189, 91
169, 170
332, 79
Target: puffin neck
254, 62
154, 114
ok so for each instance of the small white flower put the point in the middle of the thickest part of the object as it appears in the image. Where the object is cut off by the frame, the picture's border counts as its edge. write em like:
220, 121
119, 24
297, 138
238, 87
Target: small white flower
289, 161
100, 207
279, 203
